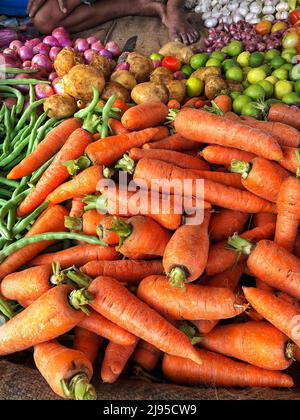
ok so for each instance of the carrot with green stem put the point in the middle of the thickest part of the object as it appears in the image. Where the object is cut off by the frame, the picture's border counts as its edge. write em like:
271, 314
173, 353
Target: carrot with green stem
224, 223
125, 271
175, 142
285, 114
270, 263
109, 150
68, 372
77, 255
220, 155
145, 115
51, 144
213, 192
261, 177
56, 173
218, 370
105, 232
56, 312
288, 204
205, 127
224, 103
146, 355
140, 237
117, 304
221, 258
87, 343
51, 220
83, 184
186, 254
191, 303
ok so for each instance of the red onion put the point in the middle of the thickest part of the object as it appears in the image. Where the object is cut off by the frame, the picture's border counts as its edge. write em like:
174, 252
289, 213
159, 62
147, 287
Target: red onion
60, 32
89, 55
25, 53
91, 40
41, 48
9, 51
16, 45
97, 46
179, 75
53, 53
123, 66
113, 48
156, 63
81, 45
65, 42
43, 91
57, 85
26, 64
8, 60
42, 62
31, 43
52, 76
106, 53
51, 40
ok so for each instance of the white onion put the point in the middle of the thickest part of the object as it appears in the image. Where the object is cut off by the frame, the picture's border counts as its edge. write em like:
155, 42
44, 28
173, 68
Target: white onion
211, 23
282, 7
268, 10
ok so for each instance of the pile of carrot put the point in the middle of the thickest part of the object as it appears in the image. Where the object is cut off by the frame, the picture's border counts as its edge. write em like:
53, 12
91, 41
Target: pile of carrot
208, 302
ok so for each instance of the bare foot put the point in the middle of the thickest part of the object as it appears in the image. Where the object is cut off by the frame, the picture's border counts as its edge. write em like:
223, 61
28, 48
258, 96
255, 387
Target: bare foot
179, 27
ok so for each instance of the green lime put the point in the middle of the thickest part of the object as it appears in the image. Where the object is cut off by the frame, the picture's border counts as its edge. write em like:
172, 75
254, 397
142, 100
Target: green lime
281, 74
239, 103
291, 98
213, 62
194, 87
267, 87
227, 64
235, 73
244, 58
256, 75
297, 86
250, 110
295, 73
282, 88
187, 70
287, 66
199, 60
156, 56
271, 54
218, 55
255, 92
256, 59
277, 62
234, 48
235, 95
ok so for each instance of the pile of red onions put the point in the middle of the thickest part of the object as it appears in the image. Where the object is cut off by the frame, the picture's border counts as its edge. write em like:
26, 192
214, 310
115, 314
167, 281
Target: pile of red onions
224, 33
40, 53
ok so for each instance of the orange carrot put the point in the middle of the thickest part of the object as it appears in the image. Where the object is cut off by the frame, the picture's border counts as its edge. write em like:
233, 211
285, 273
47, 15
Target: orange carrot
90, 222
297, 246
105, 232
283, 315
173, 104
87, 343
192, 303
261, 177
215, 193
109, 150
257, 343
116, 127
47, 318
170, 156
145, 115
220, 155
83, 184
183, 261
218, 370
225, 223
116, 303
289, 160
101, 326
146, 355
221, 258
125, 271
285, 114
224, 102
288, 218
51, 220
224, 178
27, 285
51, 144
56, 173
68, 372
162, 133
122, 105
77, 208
115, 360
175, 142
77, 255
205, 127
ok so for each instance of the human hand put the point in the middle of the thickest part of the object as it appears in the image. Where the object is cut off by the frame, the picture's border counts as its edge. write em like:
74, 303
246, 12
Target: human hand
35, 5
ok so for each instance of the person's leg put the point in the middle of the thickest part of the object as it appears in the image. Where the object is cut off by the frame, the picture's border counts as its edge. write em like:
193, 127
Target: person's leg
176, 21
81, 17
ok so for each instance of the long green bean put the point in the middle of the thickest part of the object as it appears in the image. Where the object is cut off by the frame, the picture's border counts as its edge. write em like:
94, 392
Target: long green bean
18, 94
32, 95
34, 131
83, 113
8, 128
15, 155
55, 236
14, 82
9, 182
23, 223
106, 116
42, 131
39, 172
5, 209
5, 193
2, 202
14, 70
28, 113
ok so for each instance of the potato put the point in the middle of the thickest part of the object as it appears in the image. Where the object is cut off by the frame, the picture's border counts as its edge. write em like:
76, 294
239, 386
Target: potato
60, 106
161, 75
214, 86
114, 88
177, 90
140, 66
234, 86
81, 79
149, 91
205, 72
178, 50
124, 78
102, 64
65, 60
